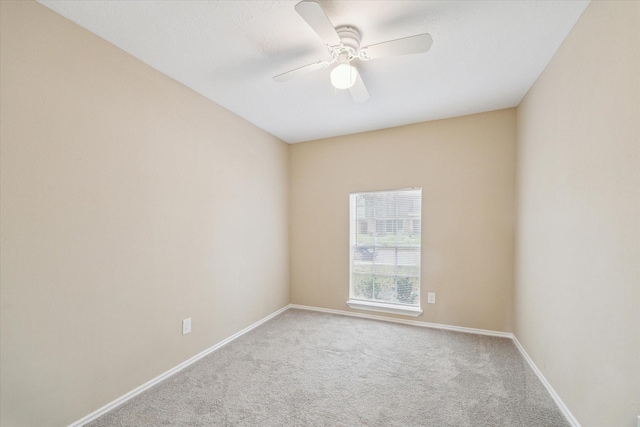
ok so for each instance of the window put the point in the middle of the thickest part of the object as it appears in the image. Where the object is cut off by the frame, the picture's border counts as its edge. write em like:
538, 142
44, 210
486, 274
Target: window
385, 238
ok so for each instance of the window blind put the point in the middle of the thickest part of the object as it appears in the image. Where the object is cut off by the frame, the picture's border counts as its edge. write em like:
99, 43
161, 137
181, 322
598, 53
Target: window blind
385, 236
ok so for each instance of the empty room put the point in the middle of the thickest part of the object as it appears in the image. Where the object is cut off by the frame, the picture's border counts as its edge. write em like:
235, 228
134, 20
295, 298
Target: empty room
320, 213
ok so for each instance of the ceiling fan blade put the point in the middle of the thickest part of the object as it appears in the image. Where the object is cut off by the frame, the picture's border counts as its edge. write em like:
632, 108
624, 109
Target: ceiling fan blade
359, 91
408, 45
312, 13
301, 71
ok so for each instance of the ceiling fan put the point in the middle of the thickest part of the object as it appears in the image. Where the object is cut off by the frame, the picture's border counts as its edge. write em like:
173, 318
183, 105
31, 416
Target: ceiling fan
344, 46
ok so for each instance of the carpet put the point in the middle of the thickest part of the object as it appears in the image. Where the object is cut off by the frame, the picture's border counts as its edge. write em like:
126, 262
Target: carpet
305, 368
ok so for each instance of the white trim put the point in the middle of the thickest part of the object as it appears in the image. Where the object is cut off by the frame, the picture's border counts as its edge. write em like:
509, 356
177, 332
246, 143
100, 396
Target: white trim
385, 308
119, 401
563, 408
406, 321
387, 190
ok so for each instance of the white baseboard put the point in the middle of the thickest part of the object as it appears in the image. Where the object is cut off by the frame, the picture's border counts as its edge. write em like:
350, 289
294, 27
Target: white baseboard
407, 322
563, 408
119, 401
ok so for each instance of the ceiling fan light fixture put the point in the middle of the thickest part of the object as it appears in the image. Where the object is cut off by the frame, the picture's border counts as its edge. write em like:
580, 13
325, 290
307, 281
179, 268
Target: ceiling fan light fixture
343, 44
344, 75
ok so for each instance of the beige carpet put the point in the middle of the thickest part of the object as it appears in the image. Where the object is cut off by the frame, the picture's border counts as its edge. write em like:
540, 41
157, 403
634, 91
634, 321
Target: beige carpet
306, 368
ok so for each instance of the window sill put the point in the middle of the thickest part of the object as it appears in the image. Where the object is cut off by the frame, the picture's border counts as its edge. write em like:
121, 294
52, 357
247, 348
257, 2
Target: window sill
384, 308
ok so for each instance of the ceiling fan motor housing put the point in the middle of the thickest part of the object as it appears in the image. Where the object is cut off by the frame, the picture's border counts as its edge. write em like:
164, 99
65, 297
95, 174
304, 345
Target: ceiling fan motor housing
350, 38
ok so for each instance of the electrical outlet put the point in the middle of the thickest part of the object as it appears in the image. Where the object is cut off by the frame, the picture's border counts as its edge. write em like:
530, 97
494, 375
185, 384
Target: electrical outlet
186, 326
431, 298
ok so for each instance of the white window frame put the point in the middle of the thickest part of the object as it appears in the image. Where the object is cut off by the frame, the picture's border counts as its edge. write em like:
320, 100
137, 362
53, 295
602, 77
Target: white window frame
372, 305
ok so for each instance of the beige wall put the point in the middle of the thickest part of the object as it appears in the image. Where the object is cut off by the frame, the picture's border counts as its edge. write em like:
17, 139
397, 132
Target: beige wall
577, 298
466, 168
128, 203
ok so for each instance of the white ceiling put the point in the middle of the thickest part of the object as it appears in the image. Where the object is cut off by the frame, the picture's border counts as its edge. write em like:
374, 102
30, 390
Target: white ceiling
485, 56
